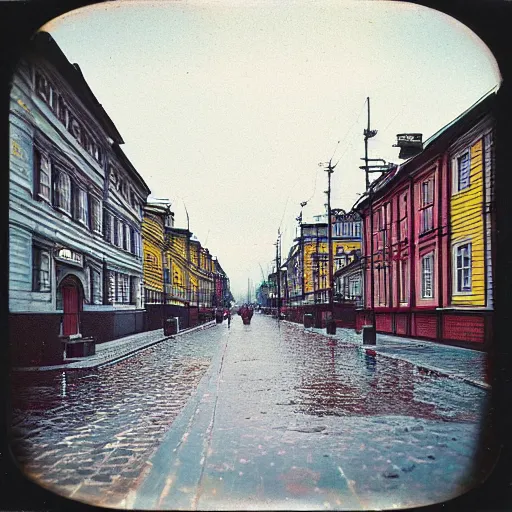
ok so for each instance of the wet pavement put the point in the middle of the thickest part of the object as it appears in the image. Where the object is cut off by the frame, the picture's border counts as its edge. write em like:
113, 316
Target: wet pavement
88, 434
259, 416
292, 421
472, 366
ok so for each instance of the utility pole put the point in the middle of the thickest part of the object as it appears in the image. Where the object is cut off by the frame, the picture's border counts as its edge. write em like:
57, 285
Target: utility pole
330, 170
370, 333
278, 273
331, 329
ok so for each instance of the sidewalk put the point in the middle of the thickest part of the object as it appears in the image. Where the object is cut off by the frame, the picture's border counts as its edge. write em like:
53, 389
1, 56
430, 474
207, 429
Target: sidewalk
115, 350
430, 357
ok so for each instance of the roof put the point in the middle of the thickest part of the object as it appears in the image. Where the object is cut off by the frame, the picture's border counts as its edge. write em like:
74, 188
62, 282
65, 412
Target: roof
445, 128
44, 45
347, 268
158, 208
441, 138
130, 168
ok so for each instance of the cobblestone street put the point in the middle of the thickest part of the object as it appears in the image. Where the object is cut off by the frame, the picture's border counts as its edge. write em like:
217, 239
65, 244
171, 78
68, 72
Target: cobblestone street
88, 434
282, 419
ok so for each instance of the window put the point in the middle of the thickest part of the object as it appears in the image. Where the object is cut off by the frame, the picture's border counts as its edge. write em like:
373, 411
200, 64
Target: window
40, 270
96, 221
123, 288
111, 286
61, 110
354, 287
107, 225
96, 291
403, 281
43, 176
402, 217
120, 234
128, 239
427, 276
463, 171
427, 206
357, 229
42, 87
136, 237
134, 284
463, 267
63, 192
82, 207
115, 231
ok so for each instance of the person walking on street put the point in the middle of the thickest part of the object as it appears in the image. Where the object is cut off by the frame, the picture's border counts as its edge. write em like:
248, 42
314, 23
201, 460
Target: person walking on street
229, 319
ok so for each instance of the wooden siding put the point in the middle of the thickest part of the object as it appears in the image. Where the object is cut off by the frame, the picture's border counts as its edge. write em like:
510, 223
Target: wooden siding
401, 324
464, 328
153, 270
153, 230
425, 325
321, 247
467, 224
384, 322
33, 122
489, 200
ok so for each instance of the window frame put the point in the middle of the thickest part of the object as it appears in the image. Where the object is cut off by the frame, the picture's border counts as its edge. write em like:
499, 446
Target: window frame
403, 290
96, 221
427, 204
58, 192
403, 228
37, 253
424, 258
96, 288
457, 159
458, 288
39, 157
82, 211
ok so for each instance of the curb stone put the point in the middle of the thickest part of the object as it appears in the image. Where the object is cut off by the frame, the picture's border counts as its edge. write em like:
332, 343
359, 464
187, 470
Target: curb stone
117, 358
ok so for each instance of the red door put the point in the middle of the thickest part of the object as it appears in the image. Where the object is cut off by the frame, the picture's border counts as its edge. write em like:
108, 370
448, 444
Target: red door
70, 299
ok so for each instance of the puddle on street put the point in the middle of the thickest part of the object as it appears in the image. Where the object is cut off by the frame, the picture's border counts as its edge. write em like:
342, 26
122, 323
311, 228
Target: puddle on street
341, 380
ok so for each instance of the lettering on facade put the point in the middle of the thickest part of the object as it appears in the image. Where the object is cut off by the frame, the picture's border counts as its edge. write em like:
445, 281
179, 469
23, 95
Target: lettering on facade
16, 150
69, 256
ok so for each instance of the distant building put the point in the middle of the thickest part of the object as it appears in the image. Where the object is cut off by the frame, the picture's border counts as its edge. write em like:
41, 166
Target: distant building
157, 216
307, 265
75, 213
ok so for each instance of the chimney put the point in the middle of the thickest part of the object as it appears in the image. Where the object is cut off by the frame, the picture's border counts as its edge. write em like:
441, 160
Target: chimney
410, 144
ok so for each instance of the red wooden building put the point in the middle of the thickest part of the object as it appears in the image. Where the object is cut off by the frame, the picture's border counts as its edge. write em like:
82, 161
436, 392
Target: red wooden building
432, 237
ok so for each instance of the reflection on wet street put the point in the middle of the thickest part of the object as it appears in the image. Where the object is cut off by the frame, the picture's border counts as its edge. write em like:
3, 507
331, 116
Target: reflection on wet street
282, 418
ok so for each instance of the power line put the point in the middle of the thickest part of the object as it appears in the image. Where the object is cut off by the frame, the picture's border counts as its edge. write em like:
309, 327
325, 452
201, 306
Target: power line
350, 129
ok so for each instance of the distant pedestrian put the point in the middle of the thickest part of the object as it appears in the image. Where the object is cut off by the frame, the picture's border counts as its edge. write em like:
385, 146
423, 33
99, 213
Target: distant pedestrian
229, 319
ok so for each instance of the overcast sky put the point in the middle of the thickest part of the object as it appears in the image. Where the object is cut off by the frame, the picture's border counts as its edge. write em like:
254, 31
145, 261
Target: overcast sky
228, 107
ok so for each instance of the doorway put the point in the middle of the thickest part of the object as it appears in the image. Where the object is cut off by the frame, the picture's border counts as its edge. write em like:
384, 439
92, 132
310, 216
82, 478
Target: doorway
71, 305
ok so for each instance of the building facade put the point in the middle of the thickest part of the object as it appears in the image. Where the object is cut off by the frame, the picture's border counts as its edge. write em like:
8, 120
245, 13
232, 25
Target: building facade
432, 237
346, 241
157, 216
75, 213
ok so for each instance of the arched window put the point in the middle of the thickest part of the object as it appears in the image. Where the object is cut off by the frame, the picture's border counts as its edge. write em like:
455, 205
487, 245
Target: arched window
63, 192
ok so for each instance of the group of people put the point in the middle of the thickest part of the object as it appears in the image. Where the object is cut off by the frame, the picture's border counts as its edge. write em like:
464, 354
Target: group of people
246, 313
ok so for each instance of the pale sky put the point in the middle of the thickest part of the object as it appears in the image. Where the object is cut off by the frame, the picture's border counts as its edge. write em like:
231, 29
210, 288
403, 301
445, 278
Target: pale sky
229, 106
